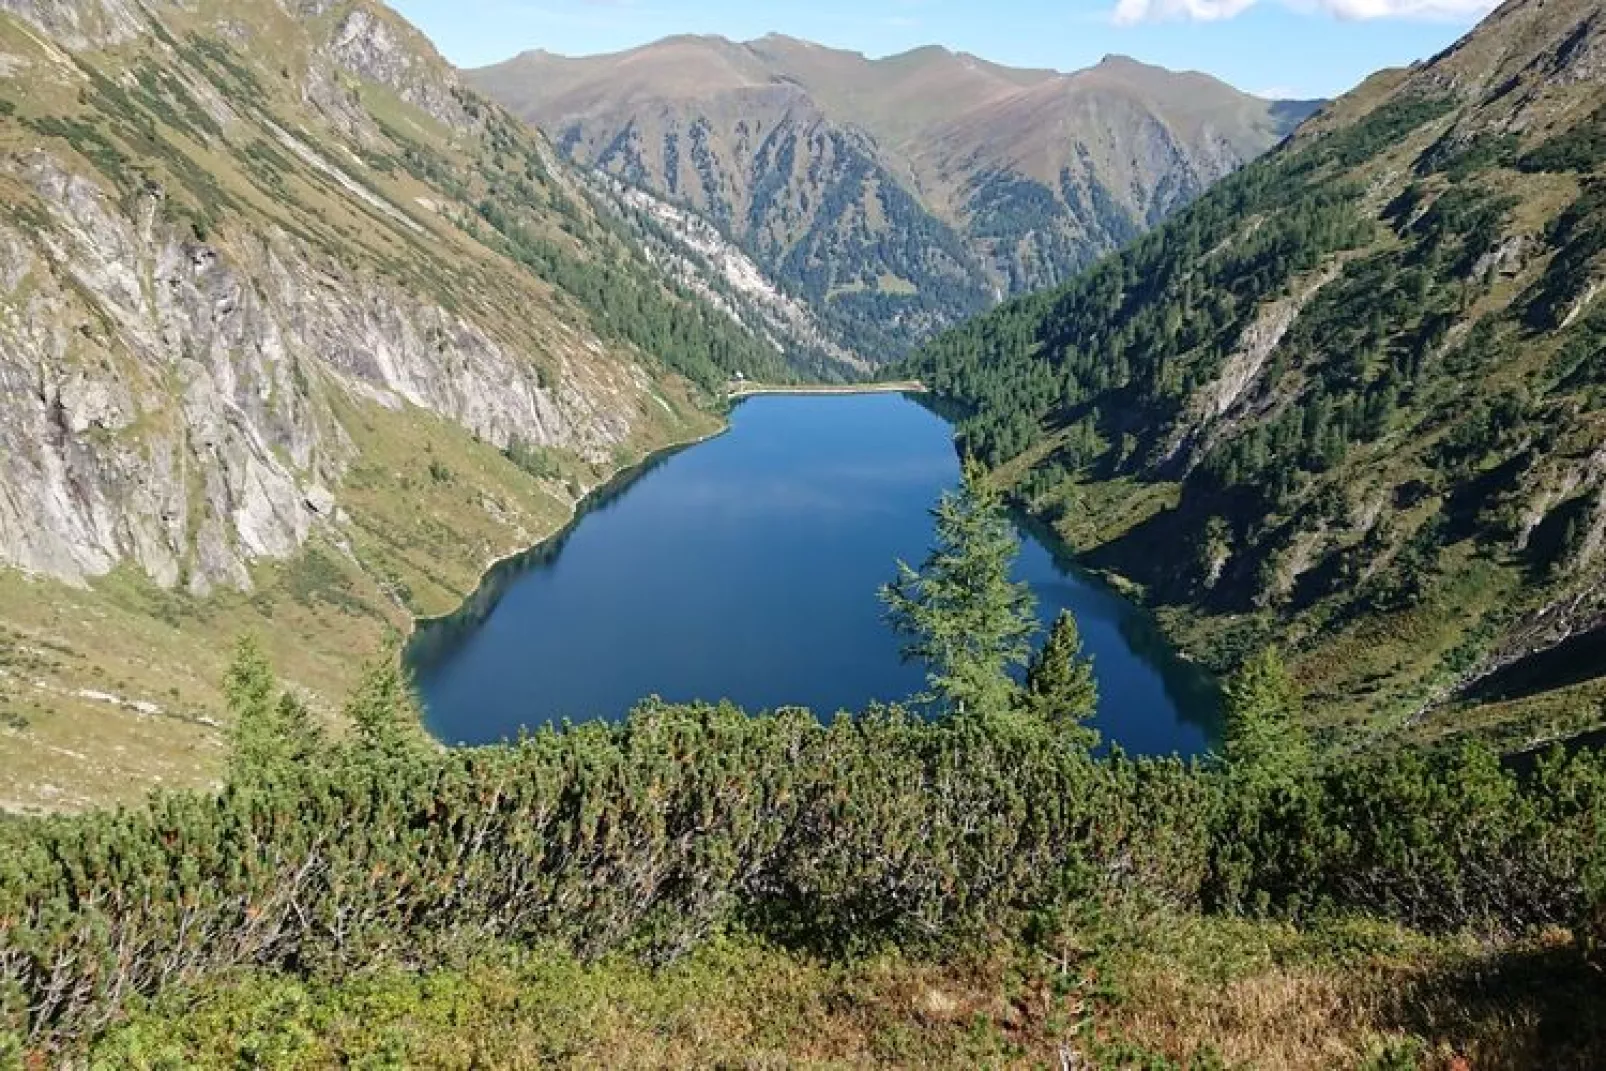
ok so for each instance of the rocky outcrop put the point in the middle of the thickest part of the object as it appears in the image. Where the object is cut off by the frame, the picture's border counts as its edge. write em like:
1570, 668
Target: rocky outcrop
176, 394
373, 45
1233, 396
695, 253
82, 24
184, 431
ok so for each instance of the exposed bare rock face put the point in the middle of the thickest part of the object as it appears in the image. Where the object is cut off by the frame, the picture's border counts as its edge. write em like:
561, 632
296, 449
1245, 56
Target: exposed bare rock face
80, 25
693, 251
215, 247
375, 46
297, 334
210, 368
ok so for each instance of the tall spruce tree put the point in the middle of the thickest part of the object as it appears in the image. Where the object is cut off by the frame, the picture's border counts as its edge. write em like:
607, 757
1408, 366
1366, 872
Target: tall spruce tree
272, 734
384, 711
1264, 737
967, 620
1060, 689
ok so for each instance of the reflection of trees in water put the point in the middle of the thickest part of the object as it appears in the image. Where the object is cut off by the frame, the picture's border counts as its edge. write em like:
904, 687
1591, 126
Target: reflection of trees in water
435, 640
946, 408
1193, 692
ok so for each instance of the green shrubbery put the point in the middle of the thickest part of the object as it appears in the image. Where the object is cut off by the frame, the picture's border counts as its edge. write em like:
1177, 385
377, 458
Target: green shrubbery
647, 836
1577, 149
652, 835
320, 858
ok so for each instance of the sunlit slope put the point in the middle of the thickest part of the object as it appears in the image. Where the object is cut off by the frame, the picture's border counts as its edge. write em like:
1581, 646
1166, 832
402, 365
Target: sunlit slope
900, 195
296, 334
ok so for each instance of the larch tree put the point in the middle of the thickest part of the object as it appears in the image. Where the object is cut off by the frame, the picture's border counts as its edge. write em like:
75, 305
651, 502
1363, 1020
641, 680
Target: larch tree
1264, 736
273, 732
965, 618
384, 710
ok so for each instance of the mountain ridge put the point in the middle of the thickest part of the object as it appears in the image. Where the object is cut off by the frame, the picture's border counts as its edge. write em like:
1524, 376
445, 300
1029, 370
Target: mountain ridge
1358, 380
895, 195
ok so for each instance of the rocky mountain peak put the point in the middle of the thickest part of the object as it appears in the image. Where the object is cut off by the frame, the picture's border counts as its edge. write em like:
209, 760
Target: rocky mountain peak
898, 194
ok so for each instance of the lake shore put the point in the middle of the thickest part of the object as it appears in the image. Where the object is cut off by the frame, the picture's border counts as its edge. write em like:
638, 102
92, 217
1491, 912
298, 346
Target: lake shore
664, 581
750, 390
588, 499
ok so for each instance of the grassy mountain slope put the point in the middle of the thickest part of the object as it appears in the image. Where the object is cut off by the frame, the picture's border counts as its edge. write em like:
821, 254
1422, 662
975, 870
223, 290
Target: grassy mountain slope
1352, 398
896, 196
296, 335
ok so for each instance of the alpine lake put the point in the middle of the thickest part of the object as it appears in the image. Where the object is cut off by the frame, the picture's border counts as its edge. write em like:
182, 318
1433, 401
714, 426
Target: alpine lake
747, 568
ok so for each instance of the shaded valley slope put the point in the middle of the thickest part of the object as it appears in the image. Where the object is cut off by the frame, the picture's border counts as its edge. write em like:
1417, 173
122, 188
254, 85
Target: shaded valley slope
1352, 399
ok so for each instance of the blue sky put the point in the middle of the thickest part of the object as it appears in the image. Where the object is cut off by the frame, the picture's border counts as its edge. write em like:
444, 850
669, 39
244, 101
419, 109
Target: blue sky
1281, 47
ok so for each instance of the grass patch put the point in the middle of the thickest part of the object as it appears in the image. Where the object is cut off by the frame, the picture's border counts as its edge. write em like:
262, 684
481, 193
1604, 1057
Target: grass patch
1128, 989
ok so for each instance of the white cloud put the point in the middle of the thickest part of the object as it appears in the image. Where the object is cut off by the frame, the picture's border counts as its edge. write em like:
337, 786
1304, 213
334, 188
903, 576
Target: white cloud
1128, 12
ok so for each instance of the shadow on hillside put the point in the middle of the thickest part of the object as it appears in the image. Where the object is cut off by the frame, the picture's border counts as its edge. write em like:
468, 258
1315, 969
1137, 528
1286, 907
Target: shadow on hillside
1528, 1009
1580, 659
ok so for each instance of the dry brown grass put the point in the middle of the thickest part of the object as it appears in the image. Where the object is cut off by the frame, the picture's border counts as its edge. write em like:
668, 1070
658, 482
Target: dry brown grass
1153, 992
1354, 995
1299, 1018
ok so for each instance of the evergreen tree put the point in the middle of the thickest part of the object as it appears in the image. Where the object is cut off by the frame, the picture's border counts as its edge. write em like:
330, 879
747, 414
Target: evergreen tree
384, 712
302, 738
270, 736
1060, 689
1590, 927
1264, 736
968, 621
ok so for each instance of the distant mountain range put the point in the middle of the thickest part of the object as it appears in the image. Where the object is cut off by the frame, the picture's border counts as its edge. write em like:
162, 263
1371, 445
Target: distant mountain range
896, 196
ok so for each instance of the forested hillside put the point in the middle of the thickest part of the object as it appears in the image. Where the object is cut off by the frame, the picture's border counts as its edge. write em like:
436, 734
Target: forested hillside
1351, 399
896, 196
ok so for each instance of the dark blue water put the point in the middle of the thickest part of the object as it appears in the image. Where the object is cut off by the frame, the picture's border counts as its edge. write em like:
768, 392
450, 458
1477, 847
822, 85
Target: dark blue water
747, 568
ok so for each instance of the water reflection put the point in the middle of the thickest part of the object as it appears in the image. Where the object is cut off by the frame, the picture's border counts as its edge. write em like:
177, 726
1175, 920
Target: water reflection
747, 568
